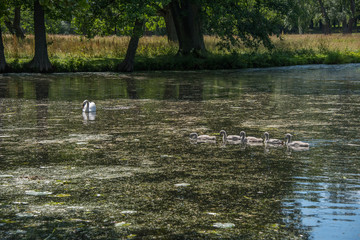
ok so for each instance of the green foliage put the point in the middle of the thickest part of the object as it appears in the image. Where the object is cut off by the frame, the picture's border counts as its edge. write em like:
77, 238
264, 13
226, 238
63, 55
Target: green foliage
245, 22
84, 65
4, 11
300, 15
334, 57
108, 17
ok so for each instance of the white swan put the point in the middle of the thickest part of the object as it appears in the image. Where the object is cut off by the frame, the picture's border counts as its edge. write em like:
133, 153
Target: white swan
295, 144
249, 140
89, 106
274, 141
226, 137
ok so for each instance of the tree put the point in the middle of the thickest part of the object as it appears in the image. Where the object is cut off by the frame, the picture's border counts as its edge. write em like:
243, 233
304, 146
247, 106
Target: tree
3, 64
186, 15
326, 27
127, 65
250, 23
58, 9
348, 15
40, 62
14, 26
300, 16
125, 17
165, 12
353, 16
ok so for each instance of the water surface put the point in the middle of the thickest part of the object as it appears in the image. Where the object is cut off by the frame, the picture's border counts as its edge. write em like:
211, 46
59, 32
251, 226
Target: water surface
130, 170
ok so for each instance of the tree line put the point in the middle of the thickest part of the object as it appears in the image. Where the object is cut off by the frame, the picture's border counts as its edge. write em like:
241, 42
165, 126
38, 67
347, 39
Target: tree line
234, 22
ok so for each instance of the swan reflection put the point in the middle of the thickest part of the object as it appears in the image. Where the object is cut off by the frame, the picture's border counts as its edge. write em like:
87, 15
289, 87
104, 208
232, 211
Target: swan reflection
90, 116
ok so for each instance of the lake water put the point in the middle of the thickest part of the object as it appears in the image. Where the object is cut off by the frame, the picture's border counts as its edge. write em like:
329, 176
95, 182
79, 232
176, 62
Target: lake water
130, 171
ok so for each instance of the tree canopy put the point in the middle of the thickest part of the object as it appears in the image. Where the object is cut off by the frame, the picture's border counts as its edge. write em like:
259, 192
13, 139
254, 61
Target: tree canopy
234, 22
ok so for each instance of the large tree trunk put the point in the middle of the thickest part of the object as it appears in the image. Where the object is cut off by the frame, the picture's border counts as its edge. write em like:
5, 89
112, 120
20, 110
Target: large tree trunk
169, 23
186, 16
345, 27
3, 64
9, 26
40, 62
326, 27
352, 20
352, 23
14, 27
16, 24
128, 64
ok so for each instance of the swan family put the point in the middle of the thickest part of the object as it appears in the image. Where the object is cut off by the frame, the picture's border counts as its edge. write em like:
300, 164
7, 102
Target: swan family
90, 107
242, 138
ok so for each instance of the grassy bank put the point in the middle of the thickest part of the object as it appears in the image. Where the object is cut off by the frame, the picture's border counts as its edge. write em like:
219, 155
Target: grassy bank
75, 53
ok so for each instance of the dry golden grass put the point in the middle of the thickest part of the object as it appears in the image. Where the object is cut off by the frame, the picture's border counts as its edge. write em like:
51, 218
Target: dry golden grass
60, 46
64, 46
319, 42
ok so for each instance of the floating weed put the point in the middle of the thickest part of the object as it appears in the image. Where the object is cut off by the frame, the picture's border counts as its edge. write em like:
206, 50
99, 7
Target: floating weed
6, 176
55, 203
61, 195
128, 212
182, 184
223, 225
63, 182
37, 193
131, 236
212, 213
274, 226
216, 234
25, 215
79, 220
7, 221
122, 224
20, 203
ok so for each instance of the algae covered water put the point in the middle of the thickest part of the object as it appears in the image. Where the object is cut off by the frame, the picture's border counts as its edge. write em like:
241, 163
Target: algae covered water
130, 170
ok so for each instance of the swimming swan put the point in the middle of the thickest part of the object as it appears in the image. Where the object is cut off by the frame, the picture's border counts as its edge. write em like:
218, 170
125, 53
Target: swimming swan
269, 140
89, 106
195, 136
250, 140
295, 144
229, 137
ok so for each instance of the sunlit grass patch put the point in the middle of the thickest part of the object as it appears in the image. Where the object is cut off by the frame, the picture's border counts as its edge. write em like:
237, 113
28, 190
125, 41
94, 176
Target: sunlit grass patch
72, 53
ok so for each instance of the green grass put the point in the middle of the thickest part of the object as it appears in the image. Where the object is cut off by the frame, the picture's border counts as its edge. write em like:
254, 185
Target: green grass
78, 54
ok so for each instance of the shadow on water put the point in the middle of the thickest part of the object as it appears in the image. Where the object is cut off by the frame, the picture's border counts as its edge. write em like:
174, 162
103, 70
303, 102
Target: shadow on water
132, 171
69, 87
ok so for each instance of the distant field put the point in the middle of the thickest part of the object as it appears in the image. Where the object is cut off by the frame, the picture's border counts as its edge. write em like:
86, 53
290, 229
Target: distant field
320, 42
77, 53
60, 46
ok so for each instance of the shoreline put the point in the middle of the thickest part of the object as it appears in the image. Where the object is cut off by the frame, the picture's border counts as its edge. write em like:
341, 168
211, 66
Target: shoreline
190, 63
